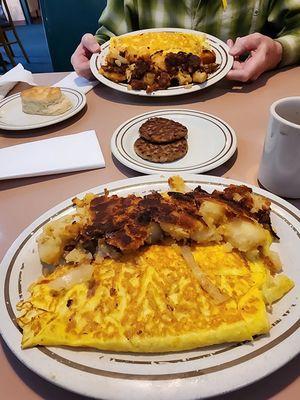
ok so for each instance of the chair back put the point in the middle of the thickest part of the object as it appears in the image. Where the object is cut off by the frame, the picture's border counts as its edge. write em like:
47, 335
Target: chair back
3, 19
65, 22
4, 7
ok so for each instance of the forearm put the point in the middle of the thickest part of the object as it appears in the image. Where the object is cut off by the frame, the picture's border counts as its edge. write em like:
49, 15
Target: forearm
290, 43
284, 18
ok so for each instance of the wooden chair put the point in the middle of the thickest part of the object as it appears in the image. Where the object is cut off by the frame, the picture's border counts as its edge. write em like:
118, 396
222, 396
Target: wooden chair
4, 41
3, 63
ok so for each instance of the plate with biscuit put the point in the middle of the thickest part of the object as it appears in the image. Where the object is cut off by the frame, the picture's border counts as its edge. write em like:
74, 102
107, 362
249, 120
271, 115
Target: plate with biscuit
39, 106
161, 62
173, 141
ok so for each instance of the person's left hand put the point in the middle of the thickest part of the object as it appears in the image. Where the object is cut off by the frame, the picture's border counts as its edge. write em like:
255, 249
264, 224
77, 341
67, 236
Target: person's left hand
264, 54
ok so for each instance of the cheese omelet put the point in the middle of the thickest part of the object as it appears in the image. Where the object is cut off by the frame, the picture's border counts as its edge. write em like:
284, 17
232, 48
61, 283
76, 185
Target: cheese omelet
156, 273
146, 44
152, 302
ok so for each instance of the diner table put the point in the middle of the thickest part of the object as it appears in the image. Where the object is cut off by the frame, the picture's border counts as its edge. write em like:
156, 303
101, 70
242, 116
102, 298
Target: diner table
243, 106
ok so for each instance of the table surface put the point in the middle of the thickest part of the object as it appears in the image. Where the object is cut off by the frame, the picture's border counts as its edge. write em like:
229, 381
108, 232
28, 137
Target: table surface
244, 106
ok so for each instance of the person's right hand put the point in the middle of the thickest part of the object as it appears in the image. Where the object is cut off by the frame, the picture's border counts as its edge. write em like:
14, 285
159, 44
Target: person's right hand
80, 58
264, 54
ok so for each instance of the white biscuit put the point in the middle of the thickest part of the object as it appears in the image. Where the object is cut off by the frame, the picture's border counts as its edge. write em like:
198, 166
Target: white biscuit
42, 100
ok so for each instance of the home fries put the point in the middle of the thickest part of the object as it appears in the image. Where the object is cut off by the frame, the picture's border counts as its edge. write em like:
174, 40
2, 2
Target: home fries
157, 60
156, 273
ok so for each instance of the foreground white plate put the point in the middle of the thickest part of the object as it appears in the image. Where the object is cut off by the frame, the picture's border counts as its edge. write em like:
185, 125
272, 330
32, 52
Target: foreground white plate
13, 118
211, 142
183, 375
223, 58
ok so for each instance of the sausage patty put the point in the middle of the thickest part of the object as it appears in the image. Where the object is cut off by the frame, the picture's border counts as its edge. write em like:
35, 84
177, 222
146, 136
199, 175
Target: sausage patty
162, 130
161, 153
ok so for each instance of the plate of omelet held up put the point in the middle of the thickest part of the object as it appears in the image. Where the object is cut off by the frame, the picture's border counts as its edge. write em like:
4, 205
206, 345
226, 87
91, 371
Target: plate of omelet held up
155, 282
161, 62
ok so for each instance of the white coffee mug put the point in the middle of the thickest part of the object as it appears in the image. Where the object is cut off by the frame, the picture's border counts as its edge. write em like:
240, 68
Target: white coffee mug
279, 170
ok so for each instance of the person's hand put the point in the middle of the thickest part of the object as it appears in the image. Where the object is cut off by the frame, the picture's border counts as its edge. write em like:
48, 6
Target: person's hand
80, 58
264, 54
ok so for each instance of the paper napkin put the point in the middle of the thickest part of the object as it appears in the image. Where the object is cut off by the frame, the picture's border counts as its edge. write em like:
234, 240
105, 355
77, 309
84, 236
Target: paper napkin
74, 81
76, 152
12, 77
20, 74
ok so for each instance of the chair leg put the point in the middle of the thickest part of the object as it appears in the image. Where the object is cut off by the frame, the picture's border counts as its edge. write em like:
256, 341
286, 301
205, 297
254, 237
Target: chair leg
2, 63
7, 48
6, 39
21, 46
9, 55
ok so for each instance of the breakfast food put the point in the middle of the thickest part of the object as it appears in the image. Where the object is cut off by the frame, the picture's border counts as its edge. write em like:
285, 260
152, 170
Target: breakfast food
162, 130
157, 60
42, 100
162, 140
155, 273
162, 152
236, 216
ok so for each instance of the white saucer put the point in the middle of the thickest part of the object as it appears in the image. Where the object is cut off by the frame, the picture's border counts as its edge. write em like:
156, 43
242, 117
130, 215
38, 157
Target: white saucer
211, 142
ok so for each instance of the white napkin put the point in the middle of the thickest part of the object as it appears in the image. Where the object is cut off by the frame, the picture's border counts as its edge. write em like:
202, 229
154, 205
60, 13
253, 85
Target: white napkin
19, 74
12, 77
77, 82
76, 152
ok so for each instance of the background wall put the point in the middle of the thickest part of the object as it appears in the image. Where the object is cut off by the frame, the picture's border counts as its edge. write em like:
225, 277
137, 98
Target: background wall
65, 23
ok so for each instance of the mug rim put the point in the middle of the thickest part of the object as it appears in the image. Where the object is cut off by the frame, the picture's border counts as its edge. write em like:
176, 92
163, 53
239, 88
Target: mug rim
278, 117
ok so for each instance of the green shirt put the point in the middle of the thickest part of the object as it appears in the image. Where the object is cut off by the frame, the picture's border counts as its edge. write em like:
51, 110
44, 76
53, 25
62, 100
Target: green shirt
279, 19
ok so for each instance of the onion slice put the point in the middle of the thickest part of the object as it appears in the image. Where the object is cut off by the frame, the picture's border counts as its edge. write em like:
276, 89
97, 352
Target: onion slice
121, 59
275, 260
204, 281
77, 275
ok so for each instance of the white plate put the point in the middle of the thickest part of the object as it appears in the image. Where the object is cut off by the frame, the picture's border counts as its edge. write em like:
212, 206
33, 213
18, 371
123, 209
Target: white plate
12, 117
179, 376
211, 142
223, 58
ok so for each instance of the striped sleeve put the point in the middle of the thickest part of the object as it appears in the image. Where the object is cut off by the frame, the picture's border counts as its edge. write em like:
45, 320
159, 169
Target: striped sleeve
117, 18
285, 16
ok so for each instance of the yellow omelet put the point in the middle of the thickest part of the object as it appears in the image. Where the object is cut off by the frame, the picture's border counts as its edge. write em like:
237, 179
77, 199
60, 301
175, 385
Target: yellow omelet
146, 44
151, 301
